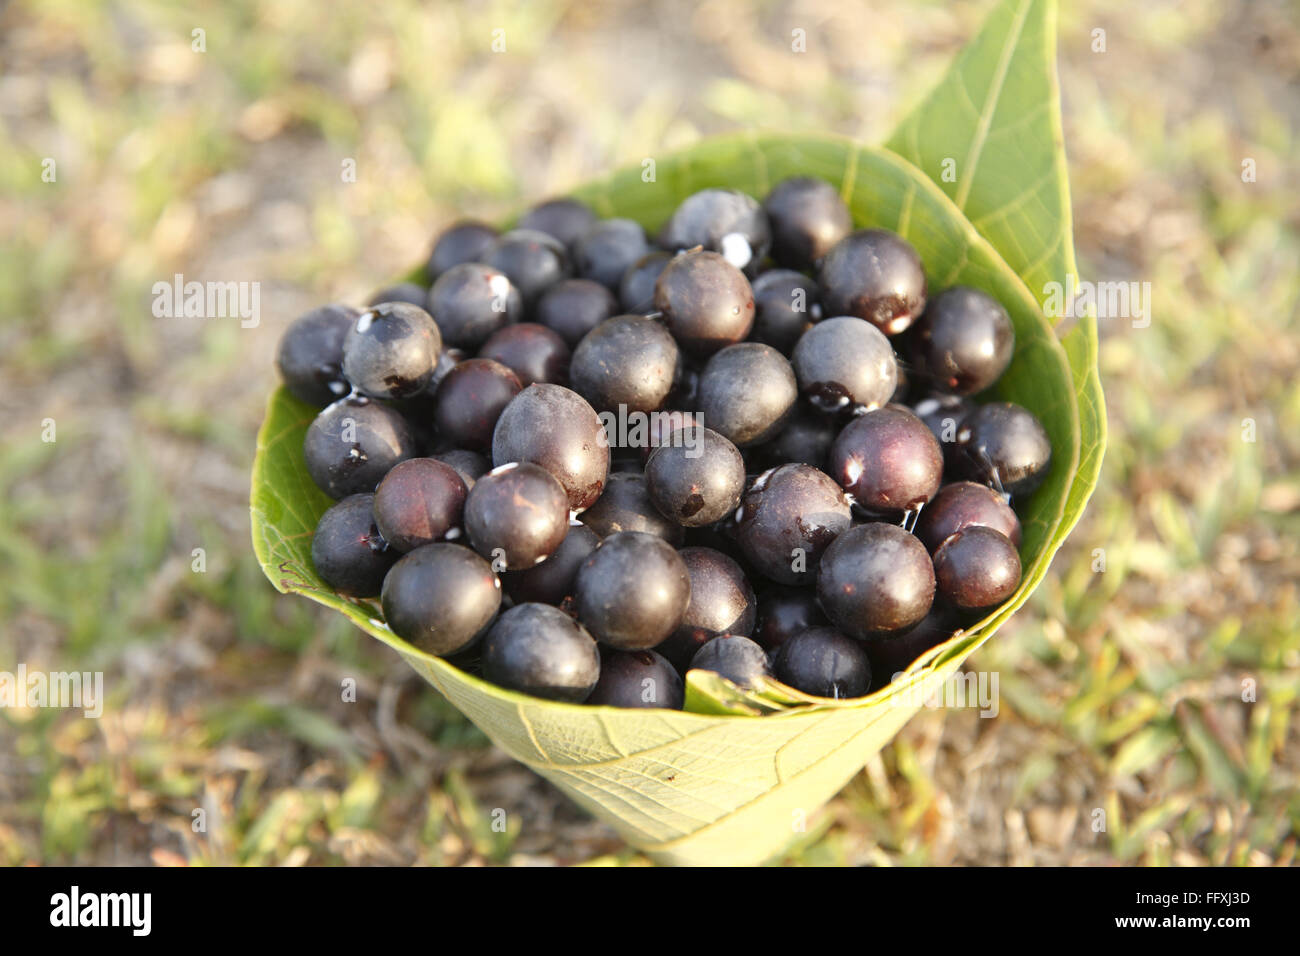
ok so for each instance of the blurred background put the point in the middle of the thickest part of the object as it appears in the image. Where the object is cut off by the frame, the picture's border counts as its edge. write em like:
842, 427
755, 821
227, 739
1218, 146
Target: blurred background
1120, 691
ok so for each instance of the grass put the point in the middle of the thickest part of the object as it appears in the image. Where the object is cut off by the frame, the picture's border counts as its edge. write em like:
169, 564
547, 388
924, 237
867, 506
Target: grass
1122, 736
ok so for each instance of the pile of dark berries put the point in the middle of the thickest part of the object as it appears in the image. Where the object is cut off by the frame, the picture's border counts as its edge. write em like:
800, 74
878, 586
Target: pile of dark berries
584, 460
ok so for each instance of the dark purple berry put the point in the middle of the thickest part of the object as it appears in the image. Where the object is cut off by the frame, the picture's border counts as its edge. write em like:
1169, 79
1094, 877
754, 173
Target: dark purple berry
419, 502
705, 301
470, 399
636, 289
516, 516
725, 221
470, 302
965, 504
787, 519
823, 662
1006, 445
637, 679
552, 581
625, 505
347, 550
554, 427
532, 261
533, 352
736, 658
874, 275
470, 465
352, 444
660, 428
976, 569
785, 307
746, 393
632, 591
845, 363
540, 650
628, 360
562, 219
875, 578
310, 357
808, 217
391, 350
606, 251
892, 655
407, 292
464, 241
573, 307
440, 597
697, 483
784, 612
963, 341
722, 602
888, 460
805, 438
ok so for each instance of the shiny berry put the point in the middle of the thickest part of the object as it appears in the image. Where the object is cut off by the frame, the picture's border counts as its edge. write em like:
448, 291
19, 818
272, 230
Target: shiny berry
562, 219
736, 658
626, 506
310, 356
632, 591
348, 551
470, 302
532, 261
705, 301
787, 519
696, 484
516, 516
965, 504
875, 578
784, 612
725, 221
391, 350
963, 341
874, 275
533, 352
628, 360
440, 597
637, 679
606, 251
554, 427
888, 460
419, 502
464, 241
636, 289
552, 581
722, 602
746, 392
573, 307
845, 363
1006, 445
976, 569
785, 307
823, 662
539, 650
352, 444
470, 399
808, 217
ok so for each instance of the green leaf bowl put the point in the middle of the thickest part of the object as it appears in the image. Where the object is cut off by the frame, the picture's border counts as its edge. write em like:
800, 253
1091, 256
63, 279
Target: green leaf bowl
727, 781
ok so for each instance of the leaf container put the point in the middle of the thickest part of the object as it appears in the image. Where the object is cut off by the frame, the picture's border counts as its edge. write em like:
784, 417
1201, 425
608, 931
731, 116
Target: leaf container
975, 180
